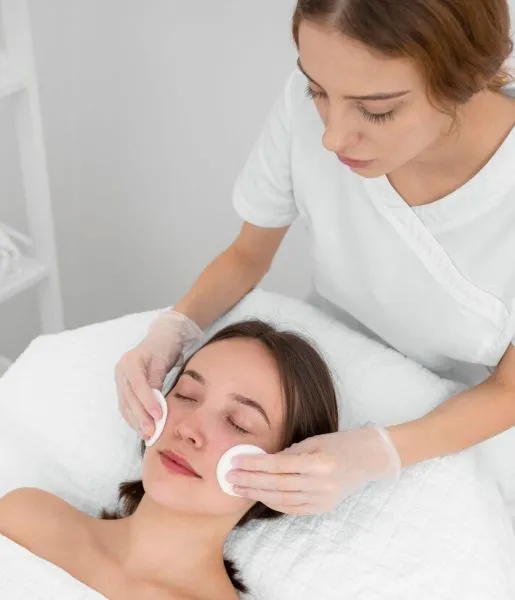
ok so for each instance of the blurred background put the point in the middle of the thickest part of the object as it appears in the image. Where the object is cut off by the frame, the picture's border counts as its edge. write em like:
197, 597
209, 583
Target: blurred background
149, 110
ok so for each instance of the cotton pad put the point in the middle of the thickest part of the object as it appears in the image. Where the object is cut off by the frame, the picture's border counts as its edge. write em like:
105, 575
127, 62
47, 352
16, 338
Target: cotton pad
160, 424
224, 464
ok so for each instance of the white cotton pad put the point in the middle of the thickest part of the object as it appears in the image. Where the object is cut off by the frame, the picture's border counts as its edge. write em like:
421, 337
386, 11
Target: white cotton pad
224, 464
160, 424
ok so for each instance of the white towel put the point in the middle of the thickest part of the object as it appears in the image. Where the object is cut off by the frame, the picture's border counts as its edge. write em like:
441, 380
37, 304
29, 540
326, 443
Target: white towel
442, 533
25, 576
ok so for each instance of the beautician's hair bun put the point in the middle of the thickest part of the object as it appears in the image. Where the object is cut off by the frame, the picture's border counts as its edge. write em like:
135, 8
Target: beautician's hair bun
460, 46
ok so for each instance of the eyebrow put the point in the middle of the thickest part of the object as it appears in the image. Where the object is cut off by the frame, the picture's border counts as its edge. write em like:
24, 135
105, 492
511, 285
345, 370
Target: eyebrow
253, 404
378, 96
236, 397
195, 375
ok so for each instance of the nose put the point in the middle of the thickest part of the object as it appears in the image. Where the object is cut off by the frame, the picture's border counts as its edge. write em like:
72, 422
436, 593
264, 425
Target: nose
340, 133
190, 428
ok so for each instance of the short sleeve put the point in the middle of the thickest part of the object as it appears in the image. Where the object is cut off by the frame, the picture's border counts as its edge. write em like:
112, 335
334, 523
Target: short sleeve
263, 193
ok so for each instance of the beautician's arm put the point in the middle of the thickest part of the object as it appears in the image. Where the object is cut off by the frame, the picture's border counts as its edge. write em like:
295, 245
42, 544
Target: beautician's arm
232, 274
462, 421
219, 287
336, 465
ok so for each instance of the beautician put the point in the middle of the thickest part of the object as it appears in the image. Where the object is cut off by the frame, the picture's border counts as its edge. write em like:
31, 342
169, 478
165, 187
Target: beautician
394, 140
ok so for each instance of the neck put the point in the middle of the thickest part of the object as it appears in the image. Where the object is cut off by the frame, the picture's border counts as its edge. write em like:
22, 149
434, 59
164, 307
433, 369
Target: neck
173, 550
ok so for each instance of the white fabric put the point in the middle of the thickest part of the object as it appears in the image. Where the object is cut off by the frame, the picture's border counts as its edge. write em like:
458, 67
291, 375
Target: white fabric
440, 534
442, 529
437, 283
24, 576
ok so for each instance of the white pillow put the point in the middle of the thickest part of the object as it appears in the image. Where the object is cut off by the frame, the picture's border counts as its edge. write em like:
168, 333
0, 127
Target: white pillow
441, 533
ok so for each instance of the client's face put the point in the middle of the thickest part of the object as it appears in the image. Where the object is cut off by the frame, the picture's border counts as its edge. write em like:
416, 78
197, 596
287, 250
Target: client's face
230, 393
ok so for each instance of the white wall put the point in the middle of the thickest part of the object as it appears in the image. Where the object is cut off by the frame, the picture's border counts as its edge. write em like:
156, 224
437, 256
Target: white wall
150, 109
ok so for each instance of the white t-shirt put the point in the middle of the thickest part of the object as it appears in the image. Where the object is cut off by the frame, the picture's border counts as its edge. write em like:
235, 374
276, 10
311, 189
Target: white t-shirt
436, 282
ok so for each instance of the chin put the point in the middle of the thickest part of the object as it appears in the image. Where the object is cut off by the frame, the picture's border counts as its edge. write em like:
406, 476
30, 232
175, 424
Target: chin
193, 497
369, 175
187, 495
374, 172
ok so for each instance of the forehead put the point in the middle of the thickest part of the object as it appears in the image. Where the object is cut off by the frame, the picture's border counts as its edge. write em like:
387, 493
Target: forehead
347, 67
241, 366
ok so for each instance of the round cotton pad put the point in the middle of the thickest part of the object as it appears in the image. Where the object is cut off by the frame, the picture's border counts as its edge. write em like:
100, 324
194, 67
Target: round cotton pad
160, 424
224, 464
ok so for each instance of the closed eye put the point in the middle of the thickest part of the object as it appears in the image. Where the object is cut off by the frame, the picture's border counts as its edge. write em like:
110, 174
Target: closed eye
229, 419
236, 426
181, 397
377, 118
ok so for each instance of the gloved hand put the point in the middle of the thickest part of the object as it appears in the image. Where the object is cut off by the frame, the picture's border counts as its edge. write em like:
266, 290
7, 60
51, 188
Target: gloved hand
145, 367
315, 475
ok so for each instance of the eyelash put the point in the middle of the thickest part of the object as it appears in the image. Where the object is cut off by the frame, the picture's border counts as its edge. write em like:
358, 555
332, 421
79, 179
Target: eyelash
237, 427
229, 420
377, 119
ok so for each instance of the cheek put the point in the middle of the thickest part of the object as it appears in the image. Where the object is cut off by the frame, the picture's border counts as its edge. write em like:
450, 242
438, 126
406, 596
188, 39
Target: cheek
148, 459
406, 137
423, 126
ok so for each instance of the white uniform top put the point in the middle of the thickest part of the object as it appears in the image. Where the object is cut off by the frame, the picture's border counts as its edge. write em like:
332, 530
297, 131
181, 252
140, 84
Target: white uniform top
436, 282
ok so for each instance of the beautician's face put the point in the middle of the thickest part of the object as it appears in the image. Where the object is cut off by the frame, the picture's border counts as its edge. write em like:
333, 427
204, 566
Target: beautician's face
389, 132
230, 393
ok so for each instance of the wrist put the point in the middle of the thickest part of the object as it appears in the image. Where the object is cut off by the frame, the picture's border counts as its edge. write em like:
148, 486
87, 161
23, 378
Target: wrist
177, 326
410, 441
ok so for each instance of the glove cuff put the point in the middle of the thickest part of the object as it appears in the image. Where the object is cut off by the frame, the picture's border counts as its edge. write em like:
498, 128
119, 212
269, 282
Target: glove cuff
395, 462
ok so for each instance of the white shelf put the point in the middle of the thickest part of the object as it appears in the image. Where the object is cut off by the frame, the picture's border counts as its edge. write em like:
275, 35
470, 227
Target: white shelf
28, 273
11, 81
18, 82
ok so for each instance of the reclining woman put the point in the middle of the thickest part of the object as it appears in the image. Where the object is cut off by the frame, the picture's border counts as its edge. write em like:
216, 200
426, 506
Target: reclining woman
250, 384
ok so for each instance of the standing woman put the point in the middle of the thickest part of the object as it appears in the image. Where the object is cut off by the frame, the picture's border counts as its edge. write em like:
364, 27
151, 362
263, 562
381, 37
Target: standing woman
394, 140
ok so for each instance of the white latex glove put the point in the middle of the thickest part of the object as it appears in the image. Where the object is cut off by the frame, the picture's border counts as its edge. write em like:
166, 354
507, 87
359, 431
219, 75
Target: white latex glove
145, 367
315, 475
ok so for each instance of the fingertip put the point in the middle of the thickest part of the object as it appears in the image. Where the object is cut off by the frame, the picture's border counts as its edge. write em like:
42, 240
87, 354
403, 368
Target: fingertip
155, 412
148, 400
240, 491
157, 405
146, 431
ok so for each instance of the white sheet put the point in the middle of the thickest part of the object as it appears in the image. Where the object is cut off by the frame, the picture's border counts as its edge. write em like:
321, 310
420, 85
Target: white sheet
441, 533
24, 576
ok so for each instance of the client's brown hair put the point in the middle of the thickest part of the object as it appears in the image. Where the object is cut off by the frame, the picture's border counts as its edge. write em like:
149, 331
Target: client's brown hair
309, 401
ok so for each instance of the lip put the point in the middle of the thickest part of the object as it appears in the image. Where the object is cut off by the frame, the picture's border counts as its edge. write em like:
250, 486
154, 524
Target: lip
175, 463
354, 164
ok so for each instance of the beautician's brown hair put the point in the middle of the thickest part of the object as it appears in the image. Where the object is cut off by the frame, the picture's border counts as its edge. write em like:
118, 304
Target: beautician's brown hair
460, 46
310, 406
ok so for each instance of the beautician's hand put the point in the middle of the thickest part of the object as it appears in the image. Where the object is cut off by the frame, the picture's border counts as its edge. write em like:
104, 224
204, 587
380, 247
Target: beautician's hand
314, 476
145, 367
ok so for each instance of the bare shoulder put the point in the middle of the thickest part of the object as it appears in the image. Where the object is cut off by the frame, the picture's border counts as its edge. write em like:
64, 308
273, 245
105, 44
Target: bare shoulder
37, 520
